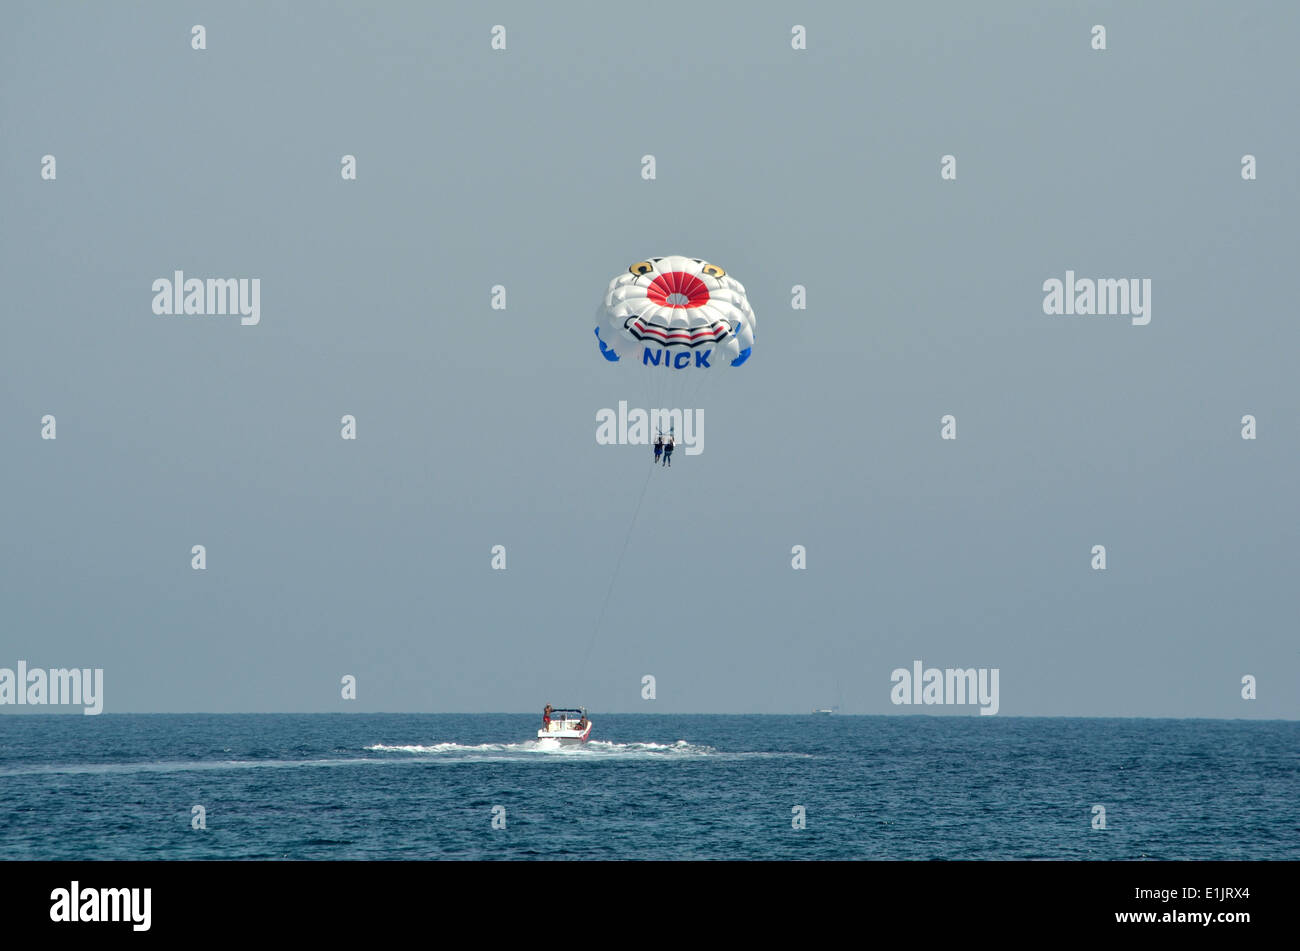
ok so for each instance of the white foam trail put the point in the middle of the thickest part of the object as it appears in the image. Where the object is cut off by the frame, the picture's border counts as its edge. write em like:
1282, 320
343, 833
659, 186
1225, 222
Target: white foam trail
602, 748
179, 767
594, 749
419, 753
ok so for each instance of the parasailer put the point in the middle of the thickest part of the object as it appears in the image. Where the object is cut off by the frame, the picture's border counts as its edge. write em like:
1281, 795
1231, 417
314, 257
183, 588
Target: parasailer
671, 324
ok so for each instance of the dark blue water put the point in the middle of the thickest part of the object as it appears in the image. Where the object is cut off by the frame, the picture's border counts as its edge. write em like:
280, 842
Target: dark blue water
647, 787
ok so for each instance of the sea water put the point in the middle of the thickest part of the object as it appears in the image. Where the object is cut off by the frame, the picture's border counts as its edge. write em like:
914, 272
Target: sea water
360, 786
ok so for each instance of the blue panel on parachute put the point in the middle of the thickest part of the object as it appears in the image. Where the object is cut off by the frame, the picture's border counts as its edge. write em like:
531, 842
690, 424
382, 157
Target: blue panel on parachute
744, 355
606, 350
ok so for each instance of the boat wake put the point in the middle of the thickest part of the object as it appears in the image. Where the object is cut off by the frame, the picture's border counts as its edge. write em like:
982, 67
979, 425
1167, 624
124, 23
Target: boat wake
546, 747
412, 754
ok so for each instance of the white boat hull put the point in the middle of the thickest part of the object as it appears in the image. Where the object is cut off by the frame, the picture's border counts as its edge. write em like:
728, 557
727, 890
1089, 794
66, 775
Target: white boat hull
565, 732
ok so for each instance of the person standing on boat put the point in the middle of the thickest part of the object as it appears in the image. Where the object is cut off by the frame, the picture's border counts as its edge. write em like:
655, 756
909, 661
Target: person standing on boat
546, 717
659, 448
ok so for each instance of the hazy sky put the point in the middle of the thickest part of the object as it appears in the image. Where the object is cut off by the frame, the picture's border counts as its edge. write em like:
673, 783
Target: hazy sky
476, 427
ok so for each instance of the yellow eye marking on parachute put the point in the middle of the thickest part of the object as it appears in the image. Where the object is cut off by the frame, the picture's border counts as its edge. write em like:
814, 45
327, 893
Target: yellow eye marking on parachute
713, 270
641, 267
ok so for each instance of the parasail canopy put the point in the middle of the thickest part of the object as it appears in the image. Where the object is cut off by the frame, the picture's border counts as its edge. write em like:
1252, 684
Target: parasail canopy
678, 314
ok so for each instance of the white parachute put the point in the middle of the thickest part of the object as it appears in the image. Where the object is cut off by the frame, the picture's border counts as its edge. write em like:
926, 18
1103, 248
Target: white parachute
677, 315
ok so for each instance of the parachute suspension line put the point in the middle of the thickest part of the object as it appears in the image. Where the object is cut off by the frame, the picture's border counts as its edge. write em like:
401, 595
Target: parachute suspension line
617, 565
692, 389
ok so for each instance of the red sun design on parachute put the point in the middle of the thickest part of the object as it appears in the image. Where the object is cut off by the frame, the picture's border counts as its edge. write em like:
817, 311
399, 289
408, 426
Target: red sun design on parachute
682, 314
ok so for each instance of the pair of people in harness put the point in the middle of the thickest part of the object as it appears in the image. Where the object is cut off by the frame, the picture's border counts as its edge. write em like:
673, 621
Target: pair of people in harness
664, 449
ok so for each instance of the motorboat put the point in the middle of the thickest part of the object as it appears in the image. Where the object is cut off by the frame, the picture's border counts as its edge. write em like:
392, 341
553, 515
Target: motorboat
567, 727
